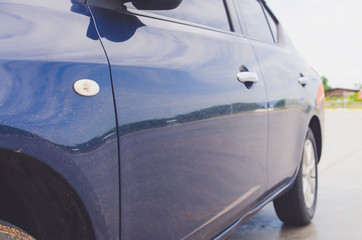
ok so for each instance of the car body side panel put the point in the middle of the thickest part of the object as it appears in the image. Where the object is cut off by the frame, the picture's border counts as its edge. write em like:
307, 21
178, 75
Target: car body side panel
290, 107
40, 114
192, 138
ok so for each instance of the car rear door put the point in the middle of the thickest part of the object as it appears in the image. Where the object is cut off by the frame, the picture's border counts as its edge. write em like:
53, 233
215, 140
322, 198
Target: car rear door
289, 101
192, 138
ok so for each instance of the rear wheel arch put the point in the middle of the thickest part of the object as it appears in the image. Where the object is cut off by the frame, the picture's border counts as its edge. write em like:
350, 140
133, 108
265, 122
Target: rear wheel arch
38, 200
315, 126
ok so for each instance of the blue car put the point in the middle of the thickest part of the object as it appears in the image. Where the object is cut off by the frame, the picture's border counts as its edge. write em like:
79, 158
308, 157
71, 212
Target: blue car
152, 119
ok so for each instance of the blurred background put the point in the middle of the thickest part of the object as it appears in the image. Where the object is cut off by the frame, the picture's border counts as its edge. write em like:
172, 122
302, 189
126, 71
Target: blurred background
327, 33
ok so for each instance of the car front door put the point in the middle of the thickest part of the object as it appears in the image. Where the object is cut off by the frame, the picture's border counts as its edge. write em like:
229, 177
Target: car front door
192, 138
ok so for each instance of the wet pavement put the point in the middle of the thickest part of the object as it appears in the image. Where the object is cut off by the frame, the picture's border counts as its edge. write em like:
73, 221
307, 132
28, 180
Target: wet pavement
339, 206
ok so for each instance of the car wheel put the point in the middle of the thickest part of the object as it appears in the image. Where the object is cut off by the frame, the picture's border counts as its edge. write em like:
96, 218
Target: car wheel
11, 232
297, 205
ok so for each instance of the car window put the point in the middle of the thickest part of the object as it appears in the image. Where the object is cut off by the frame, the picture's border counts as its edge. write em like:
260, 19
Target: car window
206, 12
272, 24
256, 24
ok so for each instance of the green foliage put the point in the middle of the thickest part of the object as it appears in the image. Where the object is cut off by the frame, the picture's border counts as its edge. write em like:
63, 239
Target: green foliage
339, 102
354, 97
325, 84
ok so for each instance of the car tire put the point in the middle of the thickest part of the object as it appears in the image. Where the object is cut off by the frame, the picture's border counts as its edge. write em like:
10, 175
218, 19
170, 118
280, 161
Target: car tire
297, 205
11, 232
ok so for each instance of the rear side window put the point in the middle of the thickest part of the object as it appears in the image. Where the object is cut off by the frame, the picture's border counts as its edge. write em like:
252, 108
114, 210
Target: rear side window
273, 24
211, 13
256, 24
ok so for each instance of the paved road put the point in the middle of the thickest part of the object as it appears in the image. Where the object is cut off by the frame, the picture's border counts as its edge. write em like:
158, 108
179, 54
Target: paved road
339, 206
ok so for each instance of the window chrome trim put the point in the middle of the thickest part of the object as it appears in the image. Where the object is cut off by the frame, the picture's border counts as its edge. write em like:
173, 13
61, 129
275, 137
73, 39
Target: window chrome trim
176, 20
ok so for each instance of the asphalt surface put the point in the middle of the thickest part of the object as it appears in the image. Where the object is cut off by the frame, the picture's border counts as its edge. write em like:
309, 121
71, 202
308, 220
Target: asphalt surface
339, 206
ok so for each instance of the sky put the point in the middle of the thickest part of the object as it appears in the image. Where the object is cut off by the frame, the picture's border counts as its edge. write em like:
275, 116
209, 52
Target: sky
328, 33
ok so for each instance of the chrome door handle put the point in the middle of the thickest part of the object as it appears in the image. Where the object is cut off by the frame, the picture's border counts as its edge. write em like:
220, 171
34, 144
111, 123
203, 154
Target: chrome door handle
246, 77
303, 80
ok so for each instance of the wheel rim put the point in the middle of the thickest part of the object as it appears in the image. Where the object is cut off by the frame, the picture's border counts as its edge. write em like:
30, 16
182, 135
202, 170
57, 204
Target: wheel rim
309, 174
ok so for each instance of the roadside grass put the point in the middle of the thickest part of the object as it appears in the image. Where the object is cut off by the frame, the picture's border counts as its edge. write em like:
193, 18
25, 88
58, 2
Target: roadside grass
332, 104
351, 102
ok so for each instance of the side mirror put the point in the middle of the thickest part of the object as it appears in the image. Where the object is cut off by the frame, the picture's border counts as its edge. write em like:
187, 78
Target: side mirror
155, 4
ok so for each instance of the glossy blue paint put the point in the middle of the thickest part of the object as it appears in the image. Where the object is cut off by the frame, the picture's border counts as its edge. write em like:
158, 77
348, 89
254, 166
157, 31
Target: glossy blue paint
40, 114
172, 147
291, 106
192, 138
